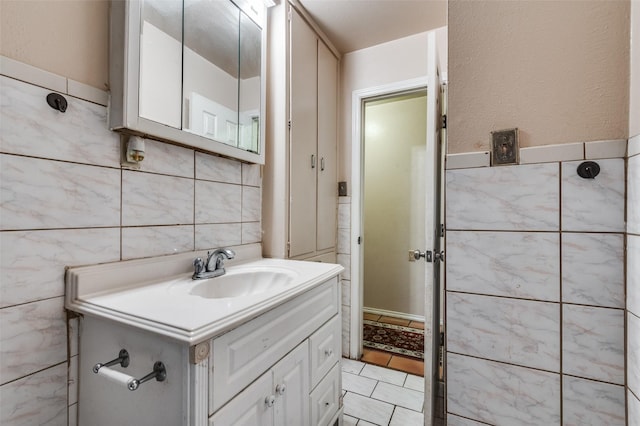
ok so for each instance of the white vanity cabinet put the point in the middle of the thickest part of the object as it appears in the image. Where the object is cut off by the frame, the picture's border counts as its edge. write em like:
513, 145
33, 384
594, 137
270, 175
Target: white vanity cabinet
280, 366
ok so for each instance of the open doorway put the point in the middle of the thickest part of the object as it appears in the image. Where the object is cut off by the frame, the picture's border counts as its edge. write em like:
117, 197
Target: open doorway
393, 220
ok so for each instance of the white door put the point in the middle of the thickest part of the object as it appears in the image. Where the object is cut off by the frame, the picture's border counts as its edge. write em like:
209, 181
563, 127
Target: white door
303, 137
291, 388
433, 234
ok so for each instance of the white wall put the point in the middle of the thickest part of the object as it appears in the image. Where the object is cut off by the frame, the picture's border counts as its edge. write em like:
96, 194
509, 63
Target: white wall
395, 61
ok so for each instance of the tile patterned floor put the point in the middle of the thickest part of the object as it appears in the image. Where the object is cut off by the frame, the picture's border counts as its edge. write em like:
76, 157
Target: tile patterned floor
388, 359
374, 395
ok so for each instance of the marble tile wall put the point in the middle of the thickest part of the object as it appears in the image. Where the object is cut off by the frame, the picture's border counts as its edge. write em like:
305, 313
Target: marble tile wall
66, 201
535, 294
633, 281
344, 259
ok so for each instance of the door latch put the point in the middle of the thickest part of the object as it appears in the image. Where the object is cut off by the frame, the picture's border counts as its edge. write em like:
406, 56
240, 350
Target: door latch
417, 254
429, 256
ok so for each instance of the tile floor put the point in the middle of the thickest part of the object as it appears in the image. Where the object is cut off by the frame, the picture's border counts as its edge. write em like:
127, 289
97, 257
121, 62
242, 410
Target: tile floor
390, 360
374, 395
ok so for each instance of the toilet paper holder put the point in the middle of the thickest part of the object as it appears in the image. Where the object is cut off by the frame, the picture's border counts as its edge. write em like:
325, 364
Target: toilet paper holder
159, 371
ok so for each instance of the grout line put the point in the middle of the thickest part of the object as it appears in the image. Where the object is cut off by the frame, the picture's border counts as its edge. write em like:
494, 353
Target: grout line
534, 300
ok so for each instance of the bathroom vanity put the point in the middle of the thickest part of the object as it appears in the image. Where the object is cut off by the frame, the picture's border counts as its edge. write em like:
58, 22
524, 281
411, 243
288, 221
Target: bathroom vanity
259, 345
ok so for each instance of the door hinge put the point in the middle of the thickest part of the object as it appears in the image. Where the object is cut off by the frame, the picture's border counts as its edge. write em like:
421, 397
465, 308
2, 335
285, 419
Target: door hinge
444, 121
359, 240
442, 229
441, 338
289, 124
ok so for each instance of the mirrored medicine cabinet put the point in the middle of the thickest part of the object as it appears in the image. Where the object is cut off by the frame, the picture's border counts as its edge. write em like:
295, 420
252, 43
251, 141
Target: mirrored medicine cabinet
190, 72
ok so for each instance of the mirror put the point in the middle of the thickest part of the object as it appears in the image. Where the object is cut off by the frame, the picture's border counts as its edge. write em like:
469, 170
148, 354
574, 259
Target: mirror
211, 69
200, 72
160, 83
250, 66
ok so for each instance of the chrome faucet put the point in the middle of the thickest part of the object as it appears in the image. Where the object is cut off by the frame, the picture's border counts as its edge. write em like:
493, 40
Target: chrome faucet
214, 266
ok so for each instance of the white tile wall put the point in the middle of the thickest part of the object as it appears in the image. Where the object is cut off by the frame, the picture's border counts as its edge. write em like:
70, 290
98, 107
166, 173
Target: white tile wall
503, 329
616, 148
67, 202
150, 241
210, 167
167, 159
30, 260
344, 259
515, 264
218, 235
38, 399
152, 199
633, 405
33, 336
593, 343
453, 420
31, 127
251, 174
227, 199
504, 198
44, 194
633, 353
549, 153
593, 269
503, 394
585, 402
633, 282
594, 205
520, 238
633, 195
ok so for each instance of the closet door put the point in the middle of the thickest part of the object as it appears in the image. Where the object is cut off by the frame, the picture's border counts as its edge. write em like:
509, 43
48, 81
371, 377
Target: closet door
302, 136
327, 146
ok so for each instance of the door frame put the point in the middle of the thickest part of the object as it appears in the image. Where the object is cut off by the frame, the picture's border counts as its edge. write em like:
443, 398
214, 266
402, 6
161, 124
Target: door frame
357, 289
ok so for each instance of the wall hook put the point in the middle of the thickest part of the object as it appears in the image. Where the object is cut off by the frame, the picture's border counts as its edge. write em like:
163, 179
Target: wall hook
588, 170
57, 101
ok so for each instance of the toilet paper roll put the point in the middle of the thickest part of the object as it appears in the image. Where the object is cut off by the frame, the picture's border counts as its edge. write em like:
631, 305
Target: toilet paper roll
115, 376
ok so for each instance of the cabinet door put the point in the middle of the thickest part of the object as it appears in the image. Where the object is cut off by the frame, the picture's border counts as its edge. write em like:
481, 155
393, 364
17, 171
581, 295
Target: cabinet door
250, 407
291, 387
327, 146
302, 137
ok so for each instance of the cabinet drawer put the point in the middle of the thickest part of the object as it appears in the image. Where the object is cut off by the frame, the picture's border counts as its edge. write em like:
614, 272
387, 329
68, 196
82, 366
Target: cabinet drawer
325, 349
243, 354
325, 398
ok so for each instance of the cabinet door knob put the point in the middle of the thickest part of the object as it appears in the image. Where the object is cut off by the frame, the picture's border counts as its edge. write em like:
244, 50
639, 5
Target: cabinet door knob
280, 389
328, 352
270, 400
313, 161
322, 164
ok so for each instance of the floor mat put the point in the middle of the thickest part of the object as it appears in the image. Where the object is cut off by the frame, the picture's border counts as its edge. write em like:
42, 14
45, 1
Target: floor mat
406, 341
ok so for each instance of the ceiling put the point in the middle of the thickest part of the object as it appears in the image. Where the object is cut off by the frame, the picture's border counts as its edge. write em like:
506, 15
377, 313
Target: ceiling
357, 24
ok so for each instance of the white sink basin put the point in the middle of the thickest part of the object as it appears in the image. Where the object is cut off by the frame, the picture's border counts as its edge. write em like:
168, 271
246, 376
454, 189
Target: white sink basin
243, 281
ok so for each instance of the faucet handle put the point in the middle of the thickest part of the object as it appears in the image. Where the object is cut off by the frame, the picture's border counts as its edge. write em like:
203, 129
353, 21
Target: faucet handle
198, 265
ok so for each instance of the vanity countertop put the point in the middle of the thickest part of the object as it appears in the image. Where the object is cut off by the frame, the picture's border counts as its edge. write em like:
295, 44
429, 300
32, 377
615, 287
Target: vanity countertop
153, 294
